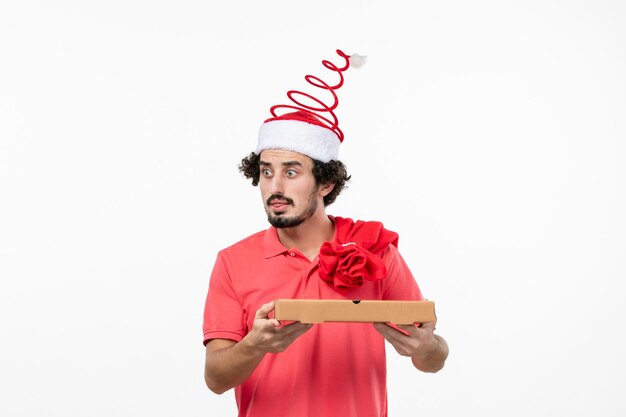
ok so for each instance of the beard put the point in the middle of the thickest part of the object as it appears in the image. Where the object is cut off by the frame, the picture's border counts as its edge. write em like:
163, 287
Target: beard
281, 221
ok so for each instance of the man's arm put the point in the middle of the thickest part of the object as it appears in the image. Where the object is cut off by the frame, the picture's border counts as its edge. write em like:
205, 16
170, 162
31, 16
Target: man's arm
427, 351
229, 363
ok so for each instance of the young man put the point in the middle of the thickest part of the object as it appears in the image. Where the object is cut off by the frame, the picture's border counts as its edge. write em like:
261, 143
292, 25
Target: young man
296, 369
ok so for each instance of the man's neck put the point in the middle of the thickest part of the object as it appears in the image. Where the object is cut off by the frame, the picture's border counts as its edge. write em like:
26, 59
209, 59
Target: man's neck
308, 236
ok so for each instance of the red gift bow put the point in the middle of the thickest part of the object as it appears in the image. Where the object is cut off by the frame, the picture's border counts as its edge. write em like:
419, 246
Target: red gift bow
355, 255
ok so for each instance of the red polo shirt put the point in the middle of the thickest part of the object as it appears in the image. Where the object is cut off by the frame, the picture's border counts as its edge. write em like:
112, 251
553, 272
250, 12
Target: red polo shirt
335, 369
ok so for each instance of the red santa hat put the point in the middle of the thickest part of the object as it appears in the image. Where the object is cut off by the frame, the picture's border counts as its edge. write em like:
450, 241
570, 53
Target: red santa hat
310, 128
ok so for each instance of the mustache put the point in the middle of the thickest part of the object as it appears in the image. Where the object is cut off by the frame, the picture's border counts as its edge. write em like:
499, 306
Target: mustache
278, 197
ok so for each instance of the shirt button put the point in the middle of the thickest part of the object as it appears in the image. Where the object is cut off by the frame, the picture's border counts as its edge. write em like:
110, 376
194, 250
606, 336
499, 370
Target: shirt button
292, 254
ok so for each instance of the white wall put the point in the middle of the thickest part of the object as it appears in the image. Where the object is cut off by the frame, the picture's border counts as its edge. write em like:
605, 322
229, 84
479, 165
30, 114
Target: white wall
490, 135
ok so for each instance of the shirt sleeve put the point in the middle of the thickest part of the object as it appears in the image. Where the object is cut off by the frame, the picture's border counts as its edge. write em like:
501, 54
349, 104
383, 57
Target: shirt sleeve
223, 313
400, 283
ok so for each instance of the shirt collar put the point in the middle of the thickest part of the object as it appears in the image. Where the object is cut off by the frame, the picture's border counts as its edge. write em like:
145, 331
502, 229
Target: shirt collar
271, 244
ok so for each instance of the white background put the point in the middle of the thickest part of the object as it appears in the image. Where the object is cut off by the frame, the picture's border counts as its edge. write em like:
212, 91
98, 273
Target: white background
490, 135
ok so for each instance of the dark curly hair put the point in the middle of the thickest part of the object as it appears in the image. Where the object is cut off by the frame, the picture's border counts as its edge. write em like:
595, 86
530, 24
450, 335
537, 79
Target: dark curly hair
332, 172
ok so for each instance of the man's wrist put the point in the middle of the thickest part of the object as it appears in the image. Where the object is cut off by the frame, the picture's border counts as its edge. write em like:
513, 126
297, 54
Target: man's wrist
249, 349
433, 360
433, 347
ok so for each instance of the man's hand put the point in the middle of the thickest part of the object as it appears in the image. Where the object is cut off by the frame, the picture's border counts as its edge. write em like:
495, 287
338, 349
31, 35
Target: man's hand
268, 336
419, 341
229, 363
427, 350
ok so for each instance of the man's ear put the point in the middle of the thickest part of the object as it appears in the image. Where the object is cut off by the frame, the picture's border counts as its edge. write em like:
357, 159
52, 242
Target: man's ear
325, 189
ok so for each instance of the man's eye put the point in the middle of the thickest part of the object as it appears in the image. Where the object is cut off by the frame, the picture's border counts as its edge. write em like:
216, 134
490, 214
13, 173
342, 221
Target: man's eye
266, 172
291, 173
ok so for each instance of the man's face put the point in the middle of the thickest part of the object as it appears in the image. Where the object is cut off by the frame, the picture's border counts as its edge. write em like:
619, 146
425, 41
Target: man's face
288, 188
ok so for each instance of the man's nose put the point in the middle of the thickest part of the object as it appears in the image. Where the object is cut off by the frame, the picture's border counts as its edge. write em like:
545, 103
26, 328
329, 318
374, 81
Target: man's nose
277, 185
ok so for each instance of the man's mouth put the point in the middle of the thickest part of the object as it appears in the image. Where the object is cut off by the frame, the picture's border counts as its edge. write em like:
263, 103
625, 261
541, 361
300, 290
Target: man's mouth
279, 204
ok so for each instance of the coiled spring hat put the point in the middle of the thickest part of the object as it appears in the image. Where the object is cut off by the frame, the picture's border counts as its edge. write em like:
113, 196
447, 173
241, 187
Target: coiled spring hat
310, 128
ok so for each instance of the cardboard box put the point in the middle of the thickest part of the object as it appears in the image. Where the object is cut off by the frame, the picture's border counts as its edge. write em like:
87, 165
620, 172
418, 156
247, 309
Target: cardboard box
319, 311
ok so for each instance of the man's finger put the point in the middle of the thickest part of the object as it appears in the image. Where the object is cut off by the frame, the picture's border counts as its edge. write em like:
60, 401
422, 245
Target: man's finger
264, 311
299, 331
389, 332
410, 329
294, 327
427, 325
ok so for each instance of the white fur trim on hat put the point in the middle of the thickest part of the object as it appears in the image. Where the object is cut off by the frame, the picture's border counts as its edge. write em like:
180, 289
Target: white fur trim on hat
305, 138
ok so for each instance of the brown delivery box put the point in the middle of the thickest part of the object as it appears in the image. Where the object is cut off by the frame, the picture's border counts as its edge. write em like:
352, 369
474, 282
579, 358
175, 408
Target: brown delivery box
319, 311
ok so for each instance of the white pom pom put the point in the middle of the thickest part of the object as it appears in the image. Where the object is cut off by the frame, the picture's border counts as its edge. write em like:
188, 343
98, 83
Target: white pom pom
357, 61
